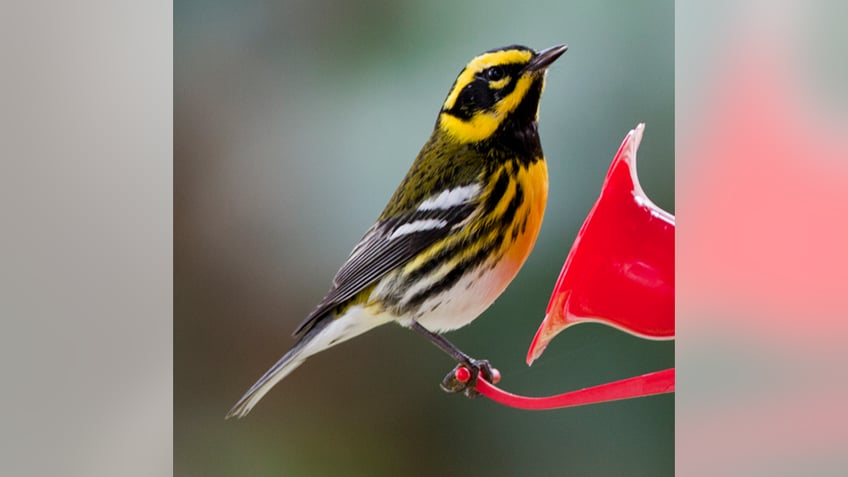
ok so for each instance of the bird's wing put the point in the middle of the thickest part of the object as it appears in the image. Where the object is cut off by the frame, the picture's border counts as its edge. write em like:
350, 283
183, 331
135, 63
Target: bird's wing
392, 242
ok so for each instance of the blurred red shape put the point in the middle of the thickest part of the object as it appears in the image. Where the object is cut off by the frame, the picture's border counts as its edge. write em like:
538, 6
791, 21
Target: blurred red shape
620, 270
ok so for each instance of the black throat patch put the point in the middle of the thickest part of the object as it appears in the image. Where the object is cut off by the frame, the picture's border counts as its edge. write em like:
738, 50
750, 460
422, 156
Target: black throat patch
518, 134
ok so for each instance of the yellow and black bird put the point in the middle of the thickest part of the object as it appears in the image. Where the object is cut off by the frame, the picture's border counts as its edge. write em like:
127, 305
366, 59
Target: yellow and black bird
459, 226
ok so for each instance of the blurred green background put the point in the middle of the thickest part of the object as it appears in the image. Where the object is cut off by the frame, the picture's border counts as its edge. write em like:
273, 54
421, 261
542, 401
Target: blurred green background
294, 122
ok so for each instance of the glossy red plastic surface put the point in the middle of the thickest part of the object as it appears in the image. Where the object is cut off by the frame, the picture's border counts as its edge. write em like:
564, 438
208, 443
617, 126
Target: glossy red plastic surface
620, 270
649, 384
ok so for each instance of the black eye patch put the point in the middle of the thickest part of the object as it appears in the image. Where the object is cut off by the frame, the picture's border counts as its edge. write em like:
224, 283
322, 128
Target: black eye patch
476, 96
479, 96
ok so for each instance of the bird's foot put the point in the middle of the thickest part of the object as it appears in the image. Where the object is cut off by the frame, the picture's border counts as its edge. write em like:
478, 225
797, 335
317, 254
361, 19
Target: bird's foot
463, 378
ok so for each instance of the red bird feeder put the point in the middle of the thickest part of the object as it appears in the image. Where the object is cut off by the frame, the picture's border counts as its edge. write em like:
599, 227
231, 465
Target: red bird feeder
619, 272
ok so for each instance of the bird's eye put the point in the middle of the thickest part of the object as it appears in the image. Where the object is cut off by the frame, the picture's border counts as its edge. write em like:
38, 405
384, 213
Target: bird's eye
494, 73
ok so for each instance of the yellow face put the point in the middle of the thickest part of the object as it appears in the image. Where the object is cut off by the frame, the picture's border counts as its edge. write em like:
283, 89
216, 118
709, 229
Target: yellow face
497, 85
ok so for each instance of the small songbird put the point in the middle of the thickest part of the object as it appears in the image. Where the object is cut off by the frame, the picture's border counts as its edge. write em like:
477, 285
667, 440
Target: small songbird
457, 229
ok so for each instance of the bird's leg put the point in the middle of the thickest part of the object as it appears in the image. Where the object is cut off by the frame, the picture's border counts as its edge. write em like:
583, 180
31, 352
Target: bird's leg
476, 366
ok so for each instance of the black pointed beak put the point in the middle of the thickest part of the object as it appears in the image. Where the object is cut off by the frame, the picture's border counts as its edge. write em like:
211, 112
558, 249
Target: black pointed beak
544, 58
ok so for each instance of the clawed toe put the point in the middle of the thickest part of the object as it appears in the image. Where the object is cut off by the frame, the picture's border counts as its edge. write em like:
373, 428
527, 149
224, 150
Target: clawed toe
463, 378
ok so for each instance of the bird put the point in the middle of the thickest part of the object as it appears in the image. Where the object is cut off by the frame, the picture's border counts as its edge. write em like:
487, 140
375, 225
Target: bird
458, 228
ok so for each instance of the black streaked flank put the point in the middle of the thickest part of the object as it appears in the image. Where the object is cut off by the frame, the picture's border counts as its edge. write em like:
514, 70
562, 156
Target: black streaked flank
452, 277
498, 190
505, 222
450, 250
512, 208
442, 255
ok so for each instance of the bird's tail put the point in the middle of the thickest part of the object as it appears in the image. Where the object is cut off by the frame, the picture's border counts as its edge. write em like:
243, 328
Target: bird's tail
325, 333
291, 360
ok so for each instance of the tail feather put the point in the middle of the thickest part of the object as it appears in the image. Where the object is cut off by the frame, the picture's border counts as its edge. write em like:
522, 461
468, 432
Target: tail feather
280, 370
325, 333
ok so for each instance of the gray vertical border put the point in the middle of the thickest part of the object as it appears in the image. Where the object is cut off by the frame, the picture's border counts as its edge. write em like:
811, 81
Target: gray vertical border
86, 211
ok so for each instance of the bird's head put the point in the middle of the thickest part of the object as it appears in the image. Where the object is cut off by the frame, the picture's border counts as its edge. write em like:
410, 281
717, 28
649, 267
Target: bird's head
496, 86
